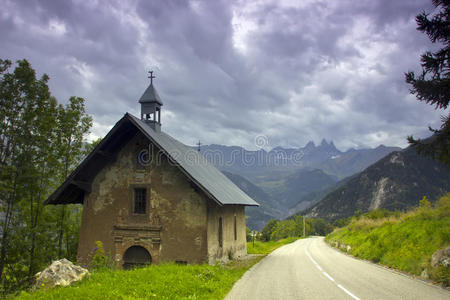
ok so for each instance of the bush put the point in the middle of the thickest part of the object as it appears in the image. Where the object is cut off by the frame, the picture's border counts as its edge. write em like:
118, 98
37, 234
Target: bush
100, 261
283, 230
266, 232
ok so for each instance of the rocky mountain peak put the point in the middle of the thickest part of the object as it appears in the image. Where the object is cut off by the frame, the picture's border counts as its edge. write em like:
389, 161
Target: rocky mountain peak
310, 145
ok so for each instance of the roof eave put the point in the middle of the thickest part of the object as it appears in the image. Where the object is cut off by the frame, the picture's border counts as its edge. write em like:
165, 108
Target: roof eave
70, 179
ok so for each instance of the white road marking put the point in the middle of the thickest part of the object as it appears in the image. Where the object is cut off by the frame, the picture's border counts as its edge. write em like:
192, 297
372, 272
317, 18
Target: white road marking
327, 275
347, 291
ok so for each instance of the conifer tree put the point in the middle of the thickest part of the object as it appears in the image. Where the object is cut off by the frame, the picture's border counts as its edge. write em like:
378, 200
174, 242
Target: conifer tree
433, 84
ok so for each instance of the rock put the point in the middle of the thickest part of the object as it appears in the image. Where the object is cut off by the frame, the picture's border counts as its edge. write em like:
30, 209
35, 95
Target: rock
60, 273
345, 247
424, 274
440, 257
349, 248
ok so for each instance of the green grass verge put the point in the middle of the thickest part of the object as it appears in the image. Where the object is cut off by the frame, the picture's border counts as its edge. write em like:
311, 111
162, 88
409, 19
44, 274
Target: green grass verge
166, 281
267, 247
405, 241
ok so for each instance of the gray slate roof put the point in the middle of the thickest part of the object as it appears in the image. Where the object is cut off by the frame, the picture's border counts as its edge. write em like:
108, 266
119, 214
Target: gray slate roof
194, 165
150, 95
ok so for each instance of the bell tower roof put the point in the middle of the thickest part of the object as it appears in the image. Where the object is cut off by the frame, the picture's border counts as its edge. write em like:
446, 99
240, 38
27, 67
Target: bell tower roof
150, 95
151, 106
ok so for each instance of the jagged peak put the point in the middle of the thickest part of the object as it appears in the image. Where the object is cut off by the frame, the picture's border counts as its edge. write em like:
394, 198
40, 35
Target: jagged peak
310, 144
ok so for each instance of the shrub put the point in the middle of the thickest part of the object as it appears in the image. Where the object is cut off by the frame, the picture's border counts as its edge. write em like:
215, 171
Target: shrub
266, 232
100, 261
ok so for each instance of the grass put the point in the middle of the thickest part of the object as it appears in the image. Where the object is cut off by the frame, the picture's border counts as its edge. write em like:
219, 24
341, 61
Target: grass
165, 281
267, 247
405, 241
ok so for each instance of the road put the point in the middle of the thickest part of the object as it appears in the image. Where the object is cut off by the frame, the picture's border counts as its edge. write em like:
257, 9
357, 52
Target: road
310, 269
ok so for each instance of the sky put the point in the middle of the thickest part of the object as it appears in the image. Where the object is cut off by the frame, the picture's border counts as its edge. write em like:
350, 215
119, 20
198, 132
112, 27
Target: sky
234, 72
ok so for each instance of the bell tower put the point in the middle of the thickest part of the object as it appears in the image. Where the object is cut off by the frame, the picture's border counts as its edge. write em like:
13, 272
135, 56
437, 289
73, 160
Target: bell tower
151, 106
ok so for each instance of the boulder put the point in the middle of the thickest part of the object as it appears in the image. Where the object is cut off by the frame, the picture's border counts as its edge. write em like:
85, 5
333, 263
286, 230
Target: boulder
60, 273
441, 257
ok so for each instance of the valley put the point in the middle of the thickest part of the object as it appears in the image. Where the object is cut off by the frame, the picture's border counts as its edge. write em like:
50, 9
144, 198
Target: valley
322, 181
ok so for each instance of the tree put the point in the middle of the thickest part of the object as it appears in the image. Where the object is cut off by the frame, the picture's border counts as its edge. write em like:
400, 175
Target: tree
433, 85
266, 232
320, 227
28, 113
40, 141
283, 229
72, 125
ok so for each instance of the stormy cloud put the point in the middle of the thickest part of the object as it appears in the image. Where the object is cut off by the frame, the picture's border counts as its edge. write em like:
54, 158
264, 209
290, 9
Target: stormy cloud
229, 71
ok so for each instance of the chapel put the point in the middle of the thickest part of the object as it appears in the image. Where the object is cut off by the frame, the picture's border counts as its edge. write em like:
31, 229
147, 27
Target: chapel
149, 198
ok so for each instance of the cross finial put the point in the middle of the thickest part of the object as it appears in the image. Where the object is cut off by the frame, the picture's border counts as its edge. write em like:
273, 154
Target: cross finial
198, 144
151, 76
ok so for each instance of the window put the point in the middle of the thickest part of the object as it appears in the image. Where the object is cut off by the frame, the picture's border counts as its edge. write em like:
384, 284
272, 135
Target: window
140, 201
220, 233
235, 228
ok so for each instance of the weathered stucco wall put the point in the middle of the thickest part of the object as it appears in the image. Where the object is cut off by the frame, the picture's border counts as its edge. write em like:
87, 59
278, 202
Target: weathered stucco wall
174, 227
233, 245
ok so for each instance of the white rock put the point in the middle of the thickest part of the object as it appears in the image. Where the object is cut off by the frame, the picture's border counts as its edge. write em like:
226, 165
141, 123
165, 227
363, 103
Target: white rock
60, 273
441, 257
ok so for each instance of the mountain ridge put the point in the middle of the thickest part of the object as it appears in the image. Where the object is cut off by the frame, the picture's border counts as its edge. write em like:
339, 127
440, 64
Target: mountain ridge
326, 156
397, 181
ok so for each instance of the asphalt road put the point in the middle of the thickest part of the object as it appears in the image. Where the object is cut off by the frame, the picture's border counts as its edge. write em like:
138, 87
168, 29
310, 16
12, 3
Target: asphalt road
310, 269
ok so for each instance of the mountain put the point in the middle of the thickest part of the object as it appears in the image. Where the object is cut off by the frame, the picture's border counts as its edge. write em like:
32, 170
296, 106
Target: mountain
291, 179
398, 181
314, 197
234, 157
325, 156
257, 217
290, 190
316, 154
354, 161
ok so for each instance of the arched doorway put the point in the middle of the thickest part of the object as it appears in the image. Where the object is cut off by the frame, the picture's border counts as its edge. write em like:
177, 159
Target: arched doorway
136, 256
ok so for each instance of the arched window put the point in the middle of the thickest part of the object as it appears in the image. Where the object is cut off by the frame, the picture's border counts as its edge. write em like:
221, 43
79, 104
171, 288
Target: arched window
136, 256
220, 233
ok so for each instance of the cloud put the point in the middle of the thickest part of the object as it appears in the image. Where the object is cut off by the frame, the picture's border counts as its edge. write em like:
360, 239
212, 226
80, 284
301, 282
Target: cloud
228, 71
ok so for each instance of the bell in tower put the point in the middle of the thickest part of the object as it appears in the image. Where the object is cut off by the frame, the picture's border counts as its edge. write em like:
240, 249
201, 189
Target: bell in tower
151, 106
